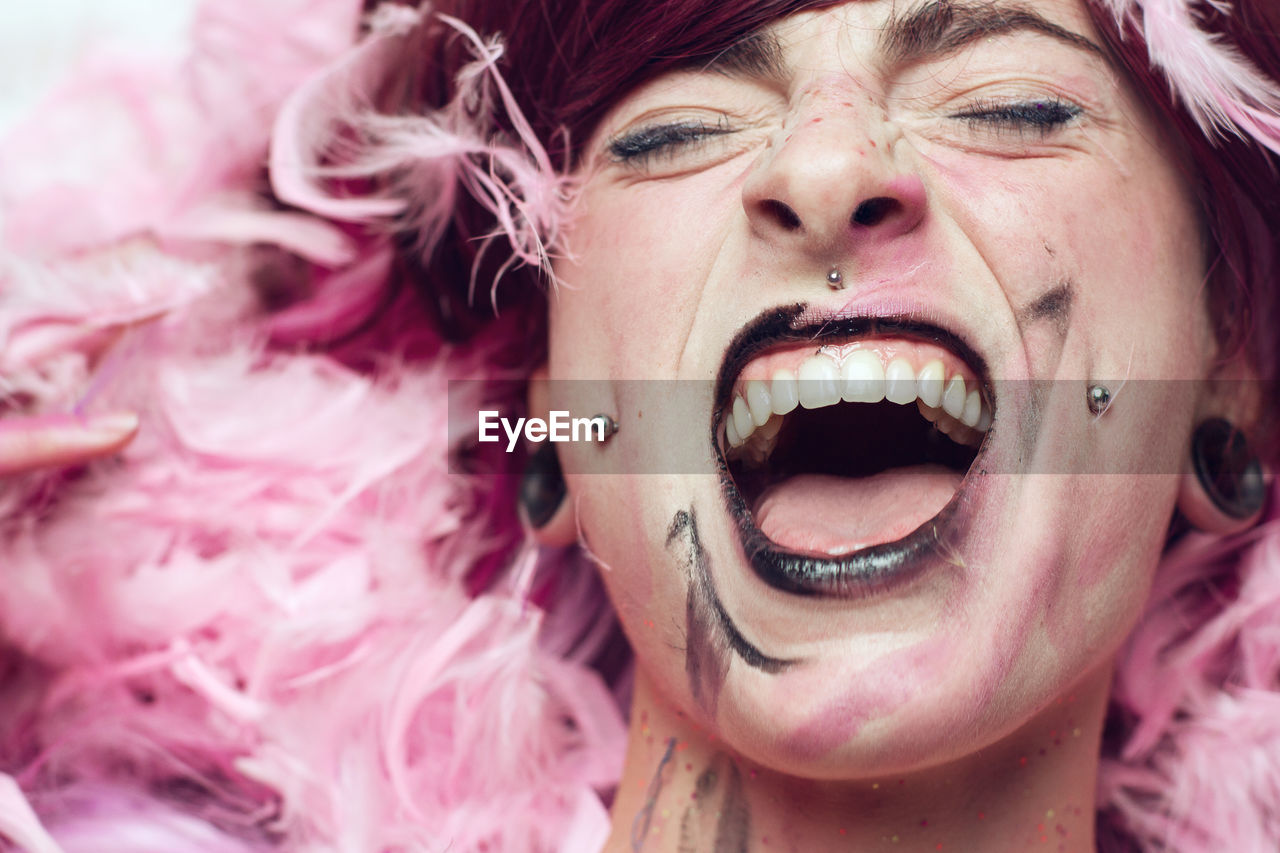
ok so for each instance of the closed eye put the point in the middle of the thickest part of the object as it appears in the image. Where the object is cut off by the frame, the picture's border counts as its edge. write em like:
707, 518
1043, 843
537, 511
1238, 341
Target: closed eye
1041, 116
639, 146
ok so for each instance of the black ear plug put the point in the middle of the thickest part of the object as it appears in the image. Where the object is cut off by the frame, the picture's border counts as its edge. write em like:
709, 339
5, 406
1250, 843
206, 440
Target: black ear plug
542, 488
1227, 468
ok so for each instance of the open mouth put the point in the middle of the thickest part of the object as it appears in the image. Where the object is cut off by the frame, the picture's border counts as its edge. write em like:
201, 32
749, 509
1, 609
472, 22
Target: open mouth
846, 449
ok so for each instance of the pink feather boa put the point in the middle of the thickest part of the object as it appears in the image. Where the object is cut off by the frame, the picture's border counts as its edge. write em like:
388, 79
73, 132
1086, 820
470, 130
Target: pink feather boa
254, 631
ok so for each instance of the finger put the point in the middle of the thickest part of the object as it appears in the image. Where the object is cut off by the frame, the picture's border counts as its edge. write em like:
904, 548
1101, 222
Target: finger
29, 444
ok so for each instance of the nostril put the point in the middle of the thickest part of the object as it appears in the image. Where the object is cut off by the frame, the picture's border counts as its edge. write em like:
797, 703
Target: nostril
782, 213
873, 211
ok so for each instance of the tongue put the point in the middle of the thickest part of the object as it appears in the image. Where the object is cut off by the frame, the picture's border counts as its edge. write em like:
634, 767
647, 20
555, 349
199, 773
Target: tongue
825, 515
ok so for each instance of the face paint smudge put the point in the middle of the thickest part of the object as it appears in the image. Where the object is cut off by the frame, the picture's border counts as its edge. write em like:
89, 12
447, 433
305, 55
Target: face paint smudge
734, 825
706, 654
710, 633
644, 818
875, 691
1054, 306
688, 832
718, 797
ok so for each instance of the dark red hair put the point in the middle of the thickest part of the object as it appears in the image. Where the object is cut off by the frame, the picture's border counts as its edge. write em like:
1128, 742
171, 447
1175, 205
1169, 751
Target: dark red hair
1237, 184
567, 62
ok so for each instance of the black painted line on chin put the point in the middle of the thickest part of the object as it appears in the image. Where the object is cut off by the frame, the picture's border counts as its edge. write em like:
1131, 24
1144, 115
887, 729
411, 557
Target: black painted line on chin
706, 650
743, 647
710, 631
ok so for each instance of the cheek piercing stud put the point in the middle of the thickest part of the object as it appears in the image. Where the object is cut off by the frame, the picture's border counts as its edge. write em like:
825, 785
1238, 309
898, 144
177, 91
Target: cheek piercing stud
835, 280
610, 426
1099, 399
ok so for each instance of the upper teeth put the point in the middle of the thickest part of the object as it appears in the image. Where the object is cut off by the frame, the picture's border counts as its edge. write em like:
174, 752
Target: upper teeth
955, 409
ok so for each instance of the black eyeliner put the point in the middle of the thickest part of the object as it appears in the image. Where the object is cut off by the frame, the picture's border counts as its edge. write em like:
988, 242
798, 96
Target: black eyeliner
1043, 115
645, 141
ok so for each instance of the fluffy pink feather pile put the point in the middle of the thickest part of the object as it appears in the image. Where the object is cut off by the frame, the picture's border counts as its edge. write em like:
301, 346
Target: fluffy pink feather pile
254, 630
1200, 770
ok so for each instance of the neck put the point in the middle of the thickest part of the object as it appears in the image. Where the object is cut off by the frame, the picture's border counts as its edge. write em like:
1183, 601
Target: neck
683, 792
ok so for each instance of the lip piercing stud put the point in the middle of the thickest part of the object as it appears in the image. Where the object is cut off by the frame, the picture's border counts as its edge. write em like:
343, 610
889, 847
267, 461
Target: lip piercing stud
610, 426
835, 280
1099, 398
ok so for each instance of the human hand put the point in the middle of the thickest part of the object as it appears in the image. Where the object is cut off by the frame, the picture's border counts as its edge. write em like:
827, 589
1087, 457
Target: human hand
30, 443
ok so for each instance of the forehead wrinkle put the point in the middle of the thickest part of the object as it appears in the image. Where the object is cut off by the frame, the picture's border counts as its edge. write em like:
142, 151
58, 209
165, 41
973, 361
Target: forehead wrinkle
931, 30
942, 27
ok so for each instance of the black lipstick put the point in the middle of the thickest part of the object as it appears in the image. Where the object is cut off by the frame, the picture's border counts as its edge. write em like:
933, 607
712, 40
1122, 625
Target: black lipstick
867, 570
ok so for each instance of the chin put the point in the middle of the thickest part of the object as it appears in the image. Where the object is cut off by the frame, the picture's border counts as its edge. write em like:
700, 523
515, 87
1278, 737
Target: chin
872, 712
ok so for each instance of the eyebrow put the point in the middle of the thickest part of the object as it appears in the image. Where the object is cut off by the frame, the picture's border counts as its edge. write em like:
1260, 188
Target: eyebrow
943, 27
937, 28
758, 54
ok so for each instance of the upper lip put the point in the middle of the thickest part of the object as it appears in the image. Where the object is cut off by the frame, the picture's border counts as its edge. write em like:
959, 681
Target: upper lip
796, 323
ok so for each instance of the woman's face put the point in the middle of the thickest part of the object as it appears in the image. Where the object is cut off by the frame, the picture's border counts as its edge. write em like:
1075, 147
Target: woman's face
878, 198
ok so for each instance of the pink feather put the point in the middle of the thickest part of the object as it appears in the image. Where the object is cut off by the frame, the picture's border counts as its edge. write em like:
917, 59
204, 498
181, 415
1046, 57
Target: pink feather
1201, 675
437, 155
255, 630
1221, 90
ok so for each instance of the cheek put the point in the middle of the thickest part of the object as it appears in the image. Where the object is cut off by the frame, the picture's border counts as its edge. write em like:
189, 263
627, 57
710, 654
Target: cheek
639, 589
1087, 574
1142, 275
1127, 242
862, 696
625, 523
635, 267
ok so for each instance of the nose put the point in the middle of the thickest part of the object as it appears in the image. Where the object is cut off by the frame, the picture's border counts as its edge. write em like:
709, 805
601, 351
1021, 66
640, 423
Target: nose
831, 190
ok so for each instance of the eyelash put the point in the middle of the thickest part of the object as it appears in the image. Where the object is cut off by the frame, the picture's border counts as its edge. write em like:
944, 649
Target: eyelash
1042, 116
639, 146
